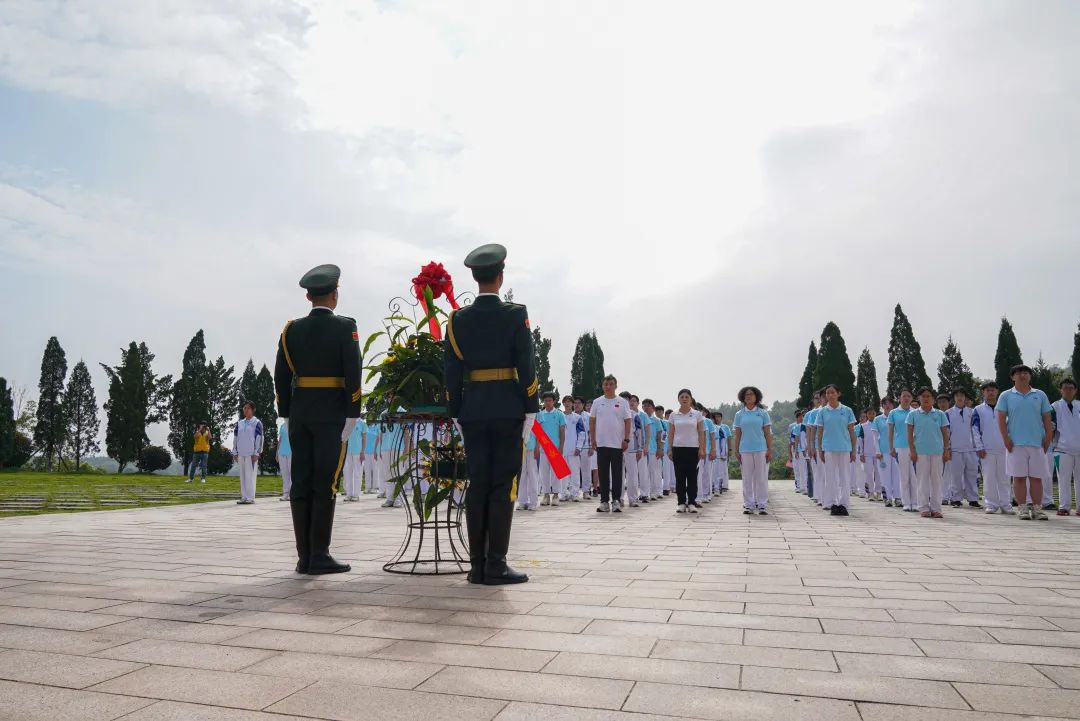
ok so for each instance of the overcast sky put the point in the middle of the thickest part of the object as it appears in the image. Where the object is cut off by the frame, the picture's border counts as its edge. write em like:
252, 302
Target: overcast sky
705, 184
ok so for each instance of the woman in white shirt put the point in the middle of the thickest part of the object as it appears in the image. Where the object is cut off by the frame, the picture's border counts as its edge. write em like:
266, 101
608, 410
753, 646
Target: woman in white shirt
687, 448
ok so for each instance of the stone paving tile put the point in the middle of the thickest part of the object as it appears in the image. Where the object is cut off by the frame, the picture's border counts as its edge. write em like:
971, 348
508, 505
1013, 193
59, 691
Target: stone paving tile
58, 603
659, 670
943, 669
386, 613
213, 688
670, 631
306, 642
346, 669
169, 612
508, 659
517, 711
48, 618
852, 686
284, 621
176, 711
208, 656
612, 645
56, 669
419, 631
1063, 676
906, 630
728, 705
1017, 700
891, 712
31, 702
349, 702
745, 655
1016, 653
518, 686
521, 623
30, 638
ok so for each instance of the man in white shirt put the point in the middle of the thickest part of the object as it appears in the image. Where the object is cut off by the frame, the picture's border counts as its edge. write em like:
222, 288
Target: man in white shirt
871, 455
609, 428
575, 427
990, 448
965, 461
248, 437
1067, 446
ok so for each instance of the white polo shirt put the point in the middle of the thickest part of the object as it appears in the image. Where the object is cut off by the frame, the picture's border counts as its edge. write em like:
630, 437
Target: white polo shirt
610, 414
1068, 426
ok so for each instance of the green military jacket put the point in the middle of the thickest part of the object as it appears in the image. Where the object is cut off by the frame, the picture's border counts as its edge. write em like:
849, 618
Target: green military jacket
317, 373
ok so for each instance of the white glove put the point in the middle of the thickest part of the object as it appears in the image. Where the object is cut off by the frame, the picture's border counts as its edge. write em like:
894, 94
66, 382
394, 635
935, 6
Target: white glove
457, 426
350, 424
527, 428
285, 422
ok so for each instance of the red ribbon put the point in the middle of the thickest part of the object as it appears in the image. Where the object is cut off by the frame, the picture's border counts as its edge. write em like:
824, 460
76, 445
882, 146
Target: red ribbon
558, 463
434, 278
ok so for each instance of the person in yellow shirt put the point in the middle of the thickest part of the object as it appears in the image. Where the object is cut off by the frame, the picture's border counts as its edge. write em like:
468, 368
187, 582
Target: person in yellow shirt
200, 452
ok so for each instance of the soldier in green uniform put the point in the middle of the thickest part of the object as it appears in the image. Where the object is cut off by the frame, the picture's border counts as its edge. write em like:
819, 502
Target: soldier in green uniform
317, 379
492, 387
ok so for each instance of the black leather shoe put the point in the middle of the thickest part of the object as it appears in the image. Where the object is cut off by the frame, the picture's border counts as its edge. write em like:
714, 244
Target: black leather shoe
301, 567
502, 576
321, 565
476, 575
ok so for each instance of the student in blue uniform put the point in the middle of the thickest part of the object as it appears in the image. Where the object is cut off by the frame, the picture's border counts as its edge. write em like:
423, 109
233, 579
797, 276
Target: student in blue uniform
354, 462
284, 459
1023, 415
928, 441
553, 422
898, 449
370, 464
887, 465
837, 423
753, 450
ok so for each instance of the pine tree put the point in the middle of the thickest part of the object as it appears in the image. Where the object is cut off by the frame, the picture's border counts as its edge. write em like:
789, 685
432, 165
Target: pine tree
223, 391
189, 400
1074, 362
907, 369
267, 413
49, 429
587, 367
866, 386
542, 349
806, 383
1007, 355
127, 408
158, 390
833, 364
80, 406
247, 388
953, 372
7, 424
1042, 377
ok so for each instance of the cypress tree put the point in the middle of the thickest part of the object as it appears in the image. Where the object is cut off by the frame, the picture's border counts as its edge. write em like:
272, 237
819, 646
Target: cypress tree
1007, 355
223, 391
1074, 362
907, 369
158, 390
7, 424
267, 413
248, 391
189, 402
806, 383
953, 372
866, 386
126, 409
542, 349
80, 405
49, 429
587, 367
1042, 377
833, 364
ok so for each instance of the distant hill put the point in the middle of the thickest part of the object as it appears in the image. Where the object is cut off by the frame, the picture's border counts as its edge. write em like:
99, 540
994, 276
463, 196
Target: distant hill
109, 466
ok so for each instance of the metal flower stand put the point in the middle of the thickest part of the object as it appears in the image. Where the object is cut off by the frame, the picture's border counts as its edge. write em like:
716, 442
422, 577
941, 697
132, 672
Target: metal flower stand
429, 469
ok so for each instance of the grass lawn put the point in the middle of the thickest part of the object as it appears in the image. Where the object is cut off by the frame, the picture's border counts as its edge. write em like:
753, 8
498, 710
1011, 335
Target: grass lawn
28, 492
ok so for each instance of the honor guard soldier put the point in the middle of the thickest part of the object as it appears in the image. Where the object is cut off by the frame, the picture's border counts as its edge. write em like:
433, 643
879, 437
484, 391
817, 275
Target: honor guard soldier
492, 387
317, 379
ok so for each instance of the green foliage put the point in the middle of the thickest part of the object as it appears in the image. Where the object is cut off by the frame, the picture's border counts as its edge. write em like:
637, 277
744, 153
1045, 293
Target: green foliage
1046, 378
1074, 361
7, 425
50, 427
153, 458
223, 393
907, 369
833, 364
219, 461
953, 372
542, 350
127, 408
866, 385
247, 389
412, 371
1007, 354
587, 368
266, 412
189, 402
806, 383
22, 450
81, 412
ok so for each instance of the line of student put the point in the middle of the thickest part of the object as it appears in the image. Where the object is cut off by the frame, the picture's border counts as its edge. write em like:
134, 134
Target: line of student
921, 457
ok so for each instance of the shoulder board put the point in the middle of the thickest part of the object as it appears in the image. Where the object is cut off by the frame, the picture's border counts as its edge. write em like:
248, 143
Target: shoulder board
346, 318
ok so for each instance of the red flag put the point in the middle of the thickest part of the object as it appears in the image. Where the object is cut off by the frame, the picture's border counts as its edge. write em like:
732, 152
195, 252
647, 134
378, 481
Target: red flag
558, 463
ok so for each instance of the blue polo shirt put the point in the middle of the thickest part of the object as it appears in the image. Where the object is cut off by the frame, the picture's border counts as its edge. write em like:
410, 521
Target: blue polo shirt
356, 440
372, 438
881, 424
283, 447
834, 424
656, 427
1023, 415
551, 421
929, 440
667, 435
753, 424
710, 434
898, 420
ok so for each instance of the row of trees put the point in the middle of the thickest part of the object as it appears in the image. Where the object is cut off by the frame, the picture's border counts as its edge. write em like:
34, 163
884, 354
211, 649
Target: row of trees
66, 425
828, 362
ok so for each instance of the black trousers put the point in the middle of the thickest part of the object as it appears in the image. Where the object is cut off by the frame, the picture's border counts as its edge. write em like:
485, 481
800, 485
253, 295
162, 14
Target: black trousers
609, 465
685, 461
809, 476
318, 455
493, 457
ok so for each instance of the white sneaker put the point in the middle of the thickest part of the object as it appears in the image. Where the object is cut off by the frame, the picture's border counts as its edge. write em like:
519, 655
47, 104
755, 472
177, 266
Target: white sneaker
680, 508
691, 508
554, 500
382, 494
990, 510
604, 508
203, 481
634, 504
1009, 511
576, 499
706, 499
187, 480
388, 504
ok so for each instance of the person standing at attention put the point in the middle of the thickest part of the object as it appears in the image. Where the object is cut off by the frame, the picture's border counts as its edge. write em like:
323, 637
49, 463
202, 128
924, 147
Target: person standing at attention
1067, 448
837, 423
200, 452
928, 443
687, 450
1023, 415
248, 437
284, 460
898, 449
609, 428
753, 449
553, 422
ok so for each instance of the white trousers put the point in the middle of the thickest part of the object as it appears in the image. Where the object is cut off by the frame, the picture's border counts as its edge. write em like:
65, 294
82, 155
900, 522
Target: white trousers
571, 485
796, 462
285, 464
908, 483
703, 480
371, 482
996, 486
631, 476
668, 468
755, 480
963, 476
1069, 479
890, 477
656, 481
249, 471
930, 472
838, 469
529, 482
722, 473
549, 483
819, 477
872, 474
351, 473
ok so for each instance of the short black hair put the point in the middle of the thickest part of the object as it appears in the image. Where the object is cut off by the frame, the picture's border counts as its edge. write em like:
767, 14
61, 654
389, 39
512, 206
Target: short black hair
548, 394
834, 387
751, 389
989, 384
578, 398
611, 378
686, 391
944, 396
1018, 368
625, 394
659, 408
487, 274
649, 401
249, 403
1067, 382
634, 398
887, 399
869, 409
799, 412
720, 414
958, 391
924, 389
568, 398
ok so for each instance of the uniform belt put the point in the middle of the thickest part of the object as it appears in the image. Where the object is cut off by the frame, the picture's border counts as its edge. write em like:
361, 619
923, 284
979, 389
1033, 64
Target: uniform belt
493, 374
319, 382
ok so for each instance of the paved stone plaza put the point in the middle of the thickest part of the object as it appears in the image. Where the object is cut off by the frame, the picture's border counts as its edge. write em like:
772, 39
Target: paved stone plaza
192, 613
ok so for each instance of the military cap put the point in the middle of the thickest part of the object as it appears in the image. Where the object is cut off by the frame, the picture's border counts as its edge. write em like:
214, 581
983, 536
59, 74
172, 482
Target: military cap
321, 280
488, 257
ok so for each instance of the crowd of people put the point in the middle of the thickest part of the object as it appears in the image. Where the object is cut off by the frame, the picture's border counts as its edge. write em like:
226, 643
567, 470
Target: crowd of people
921, 452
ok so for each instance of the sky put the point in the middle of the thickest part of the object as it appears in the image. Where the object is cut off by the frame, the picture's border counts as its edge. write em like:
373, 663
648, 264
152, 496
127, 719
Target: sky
704, 184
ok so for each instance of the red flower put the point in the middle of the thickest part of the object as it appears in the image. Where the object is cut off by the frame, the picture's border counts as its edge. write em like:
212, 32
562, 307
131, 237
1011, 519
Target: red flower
434, 276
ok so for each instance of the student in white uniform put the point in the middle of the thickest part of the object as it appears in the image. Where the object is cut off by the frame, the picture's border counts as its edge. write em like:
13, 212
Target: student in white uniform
667, 466
529, 481
354, 462
990, 448
284, 459
964, 465
1067, 446
753, 449
888, 469
944, 403
610, 427
635, 451
585, 460
871, 456
370, 463
898, 449
725, 453
248, 438
575, 428
797, 451
653, 450
813, 449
